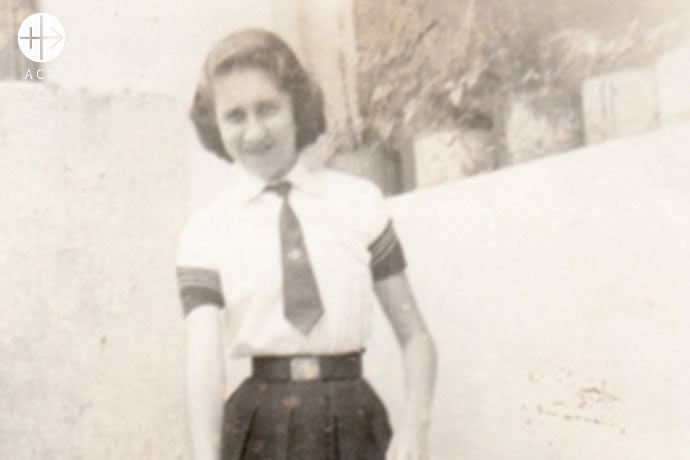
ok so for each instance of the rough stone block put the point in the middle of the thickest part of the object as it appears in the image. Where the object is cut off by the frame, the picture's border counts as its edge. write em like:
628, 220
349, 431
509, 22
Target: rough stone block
673, 73
435, 158
541, 122
620, 104
446, 156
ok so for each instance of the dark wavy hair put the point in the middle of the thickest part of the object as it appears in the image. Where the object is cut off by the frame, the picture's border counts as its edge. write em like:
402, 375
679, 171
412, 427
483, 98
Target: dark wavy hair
262, 50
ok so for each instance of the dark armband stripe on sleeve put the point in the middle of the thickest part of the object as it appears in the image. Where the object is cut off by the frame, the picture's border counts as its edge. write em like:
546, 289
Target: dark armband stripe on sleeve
199, 286
387, 256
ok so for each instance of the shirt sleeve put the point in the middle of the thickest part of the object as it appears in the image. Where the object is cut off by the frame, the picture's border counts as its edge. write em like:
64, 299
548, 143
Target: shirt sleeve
387, 257
197, 274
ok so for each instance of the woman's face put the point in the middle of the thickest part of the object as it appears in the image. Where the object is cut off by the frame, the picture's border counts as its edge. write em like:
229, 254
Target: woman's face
255, 120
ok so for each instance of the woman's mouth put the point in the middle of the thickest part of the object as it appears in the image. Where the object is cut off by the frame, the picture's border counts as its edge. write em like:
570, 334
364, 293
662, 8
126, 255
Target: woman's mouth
262, 150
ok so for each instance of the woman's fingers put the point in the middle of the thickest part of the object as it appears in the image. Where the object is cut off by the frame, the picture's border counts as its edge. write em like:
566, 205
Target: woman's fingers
406, 454
410, 440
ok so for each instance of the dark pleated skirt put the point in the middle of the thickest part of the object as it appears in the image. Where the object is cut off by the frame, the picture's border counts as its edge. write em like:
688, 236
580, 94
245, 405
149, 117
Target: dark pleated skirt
313, 420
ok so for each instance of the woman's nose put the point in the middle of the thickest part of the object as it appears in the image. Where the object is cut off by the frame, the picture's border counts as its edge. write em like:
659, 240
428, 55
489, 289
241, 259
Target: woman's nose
255, 132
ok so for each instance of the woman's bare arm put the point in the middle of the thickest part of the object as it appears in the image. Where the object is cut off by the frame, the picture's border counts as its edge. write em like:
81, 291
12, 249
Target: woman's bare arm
419, 362
205, 381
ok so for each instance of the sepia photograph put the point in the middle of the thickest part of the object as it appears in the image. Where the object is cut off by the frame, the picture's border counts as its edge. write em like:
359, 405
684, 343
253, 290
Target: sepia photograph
345, 230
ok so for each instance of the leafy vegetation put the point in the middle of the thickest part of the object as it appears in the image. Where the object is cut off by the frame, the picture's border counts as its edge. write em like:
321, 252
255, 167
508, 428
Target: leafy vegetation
437, 64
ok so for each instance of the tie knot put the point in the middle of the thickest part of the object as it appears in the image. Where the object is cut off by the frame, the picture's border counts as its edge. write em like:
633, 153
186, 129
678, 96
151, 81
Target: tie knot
281, 188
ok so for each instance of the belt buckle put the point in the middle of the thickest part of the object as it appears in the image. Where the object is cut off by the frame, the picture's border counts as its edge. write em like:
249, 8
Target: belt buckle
304, 368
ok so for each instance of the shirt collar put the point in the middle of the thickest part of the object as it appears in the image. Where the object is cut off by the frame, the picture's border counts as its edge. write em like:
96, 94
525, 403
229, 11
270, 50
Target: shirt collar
248, 186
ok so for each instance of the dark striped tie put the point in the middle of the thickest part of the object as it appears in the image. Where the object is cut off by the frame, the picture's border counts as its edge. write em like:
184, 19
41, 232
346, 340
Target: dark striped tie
302, 303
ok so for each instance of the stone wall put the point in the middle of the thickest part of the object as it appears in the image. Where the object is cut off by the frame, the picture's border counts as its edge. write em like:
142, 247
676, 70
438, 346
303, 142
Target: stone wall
621, 104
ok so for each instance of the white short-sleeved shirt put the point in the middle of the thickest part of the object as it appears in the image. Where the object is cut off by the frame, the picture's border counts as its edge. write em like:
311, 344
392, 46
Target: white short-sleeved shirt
229, 254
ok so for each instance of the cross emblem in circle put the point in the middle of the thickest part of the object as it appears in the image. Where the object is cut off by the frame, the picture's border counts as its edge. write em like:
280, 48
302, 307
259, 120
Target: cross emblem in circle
41, 37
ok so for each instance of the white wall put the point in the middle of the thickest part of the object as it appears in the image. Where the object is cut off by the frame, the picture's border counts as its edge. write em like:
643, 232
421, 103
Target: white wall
558, 294
145, 45
92, 197
160, 46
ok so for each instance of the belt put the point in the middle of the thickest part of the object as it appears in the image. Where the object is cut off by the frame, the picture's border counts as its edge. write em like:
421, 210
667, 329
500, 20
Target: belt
300, 368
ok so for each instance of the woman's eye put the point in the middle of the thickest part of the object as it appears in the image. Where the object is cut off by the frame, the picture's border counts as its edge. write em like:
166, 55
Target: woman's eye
235, 116
267, 108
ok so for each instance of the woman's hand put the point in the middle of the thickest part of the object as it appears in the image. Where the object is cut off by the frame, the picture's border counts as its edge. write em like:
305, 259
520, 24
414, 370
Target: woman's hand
410, 442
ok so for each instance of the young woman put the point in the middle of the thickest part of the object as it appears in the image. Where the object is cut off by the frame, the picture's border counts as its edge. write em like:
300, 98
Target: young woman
282, 269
